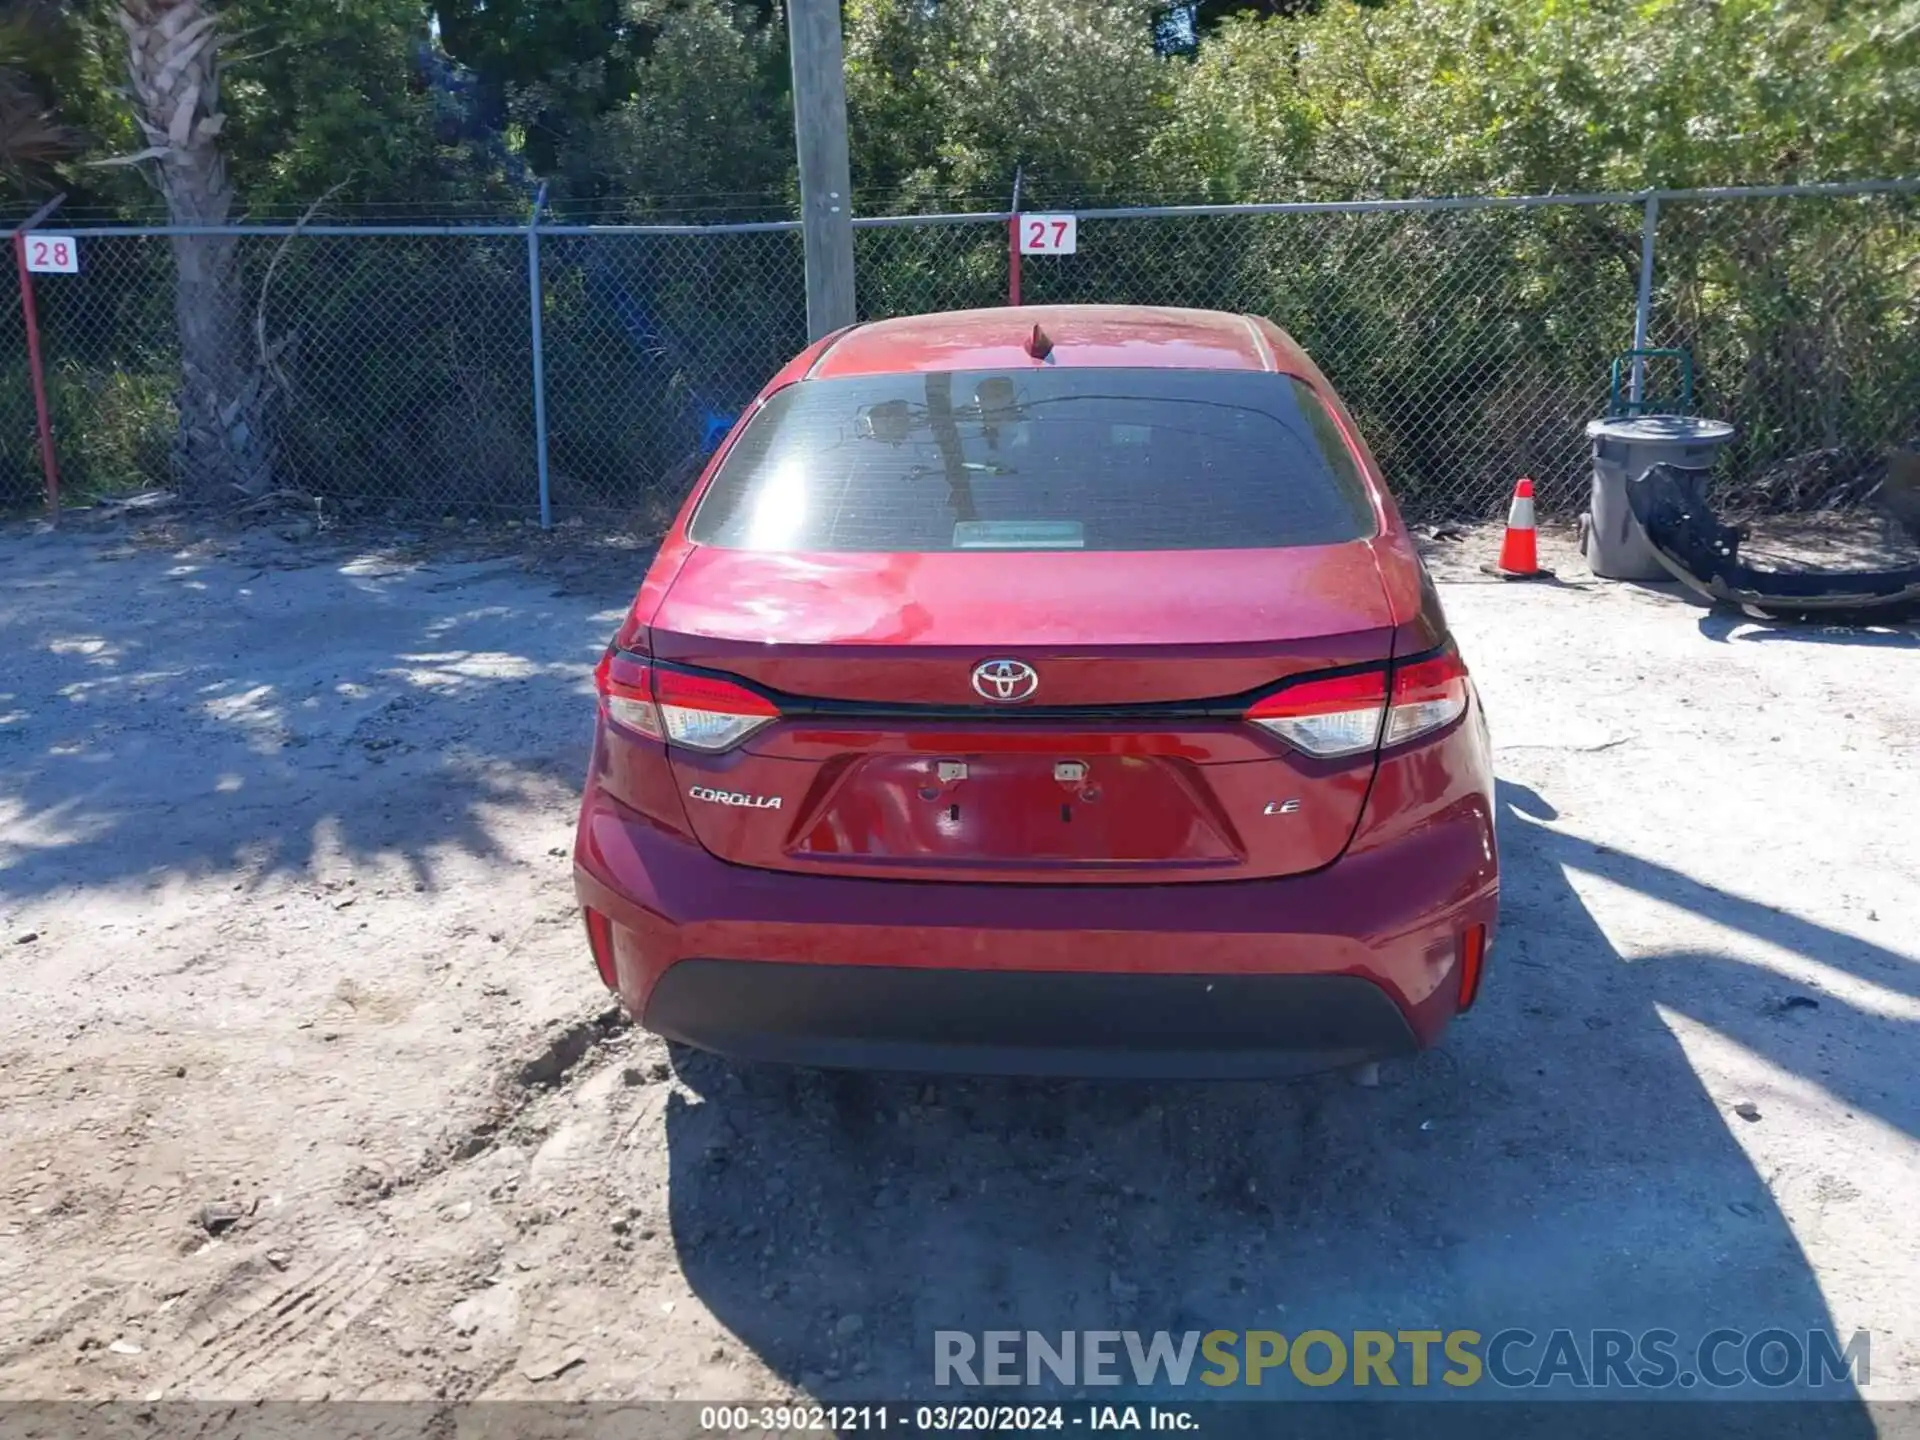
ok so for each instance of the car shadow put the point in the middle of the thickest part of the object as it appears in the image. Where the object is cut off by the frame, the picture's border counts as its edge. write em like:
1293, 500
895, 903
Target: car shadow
1723, 623
1558, 1163
1822, 1036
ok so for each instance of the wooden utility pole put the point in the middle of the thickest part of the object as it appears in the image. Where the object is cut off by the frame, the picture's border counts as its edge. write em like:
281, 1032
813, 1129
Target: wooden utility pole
820, 136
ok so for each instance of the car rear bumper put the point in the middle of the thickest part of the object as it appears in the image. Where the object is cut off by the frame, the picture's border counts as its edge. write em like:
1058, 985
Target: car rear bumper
1355, 962
1027, 1022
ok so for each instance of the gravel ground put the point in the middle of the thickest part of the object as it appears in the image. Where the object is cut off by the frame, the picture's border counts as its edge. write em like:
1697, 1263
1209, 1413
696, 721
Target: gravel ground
307, 1087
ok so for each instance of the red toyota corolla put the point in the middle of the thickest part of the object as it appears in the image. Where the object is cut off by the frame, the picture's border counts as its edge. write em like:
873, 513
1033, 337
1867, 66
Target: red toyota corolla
1041, 691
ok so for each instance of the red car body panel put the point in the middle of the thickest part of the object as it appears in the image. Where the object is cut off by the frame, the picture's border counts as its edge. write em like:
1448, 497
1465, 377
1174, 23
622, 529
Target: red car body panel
1082, 335
735, 603
1421, 872
1159, 857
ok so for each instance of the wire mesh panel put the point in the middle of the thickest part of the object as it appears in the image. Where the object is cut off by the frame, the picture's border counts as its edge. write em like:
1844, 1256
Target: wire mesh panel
654, 343
1472, 345
403, 372
107, 341
20, 483
391, 374
930, 266
1803, 317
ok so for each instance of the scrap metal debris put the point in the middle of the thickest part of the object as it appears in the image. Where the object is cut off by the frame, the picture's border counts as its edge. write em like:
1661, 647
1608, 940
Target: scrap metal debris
1703, 552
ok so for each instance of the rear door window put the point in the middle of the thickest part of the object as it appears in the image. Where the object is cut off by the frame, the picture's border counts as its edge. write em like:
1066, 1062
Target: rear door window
1046, 459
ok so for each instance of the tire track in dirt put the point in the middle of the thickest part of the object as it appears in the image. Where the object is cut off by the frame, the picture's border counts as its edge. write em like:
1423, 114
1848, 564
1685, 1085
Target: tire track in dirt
264, 1300
264, 1332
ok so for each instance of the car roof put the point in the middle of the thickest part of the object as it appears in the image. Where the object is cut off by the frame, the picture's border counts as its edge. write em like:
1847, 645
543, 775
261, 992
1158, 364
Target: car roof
1081, 335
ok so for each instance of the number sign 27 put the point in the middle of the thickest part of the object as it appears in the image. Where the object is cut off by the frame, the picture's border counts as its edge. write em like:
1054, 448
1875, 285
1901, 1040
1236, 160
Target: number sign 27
53, 254
1048, 234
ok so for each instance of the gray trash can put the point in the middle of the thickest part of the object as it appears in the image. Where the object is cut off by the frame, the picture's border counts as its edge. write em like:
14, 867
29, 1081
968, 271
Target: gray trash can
1616, 547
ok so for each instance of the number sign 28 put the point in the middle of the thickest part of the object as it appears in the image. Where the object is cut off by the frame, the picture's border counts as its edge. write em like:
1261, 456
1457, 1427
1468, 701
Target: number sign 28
1048, 234
53, 254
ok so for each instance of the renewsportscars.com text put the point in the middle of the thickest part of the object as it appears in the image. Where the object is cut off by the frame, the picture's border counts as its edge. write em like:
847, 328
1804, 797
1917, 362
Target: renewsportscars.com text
1459, 1359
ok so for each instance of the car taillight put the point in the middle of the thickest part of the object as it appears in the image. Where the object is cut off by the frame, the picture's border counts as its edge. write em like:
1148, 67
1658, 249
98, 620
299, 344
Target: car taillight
1351, 714
1326, 718
1427, 695
704, 712
625, 684
701, 712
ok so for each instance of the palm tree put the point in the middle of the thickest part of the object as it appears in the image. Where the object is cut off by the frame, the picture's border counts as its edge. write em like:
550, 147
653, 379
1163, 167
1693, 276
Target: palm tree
30, 138
173, 64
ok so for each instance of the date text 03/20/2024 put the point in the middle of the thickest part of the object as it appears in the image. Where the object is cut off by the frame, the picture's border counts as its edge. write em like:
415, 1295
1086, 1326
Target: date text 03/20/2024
938, 1419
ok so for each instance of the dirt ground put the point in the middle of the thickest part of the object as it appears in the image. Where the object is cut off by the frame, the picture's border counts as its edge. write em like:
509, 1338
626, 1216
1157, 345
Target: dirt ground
308, 1088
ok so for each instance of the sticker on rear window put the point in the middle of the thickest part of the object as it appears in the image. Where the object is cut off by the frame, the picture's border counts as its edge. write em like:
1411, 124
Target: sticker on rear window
1019, 535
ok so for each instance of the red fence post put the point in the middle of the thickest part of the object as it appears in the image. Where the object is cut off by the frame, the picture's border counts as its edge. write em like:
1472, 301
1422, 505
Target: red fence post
1013, 259
48, 464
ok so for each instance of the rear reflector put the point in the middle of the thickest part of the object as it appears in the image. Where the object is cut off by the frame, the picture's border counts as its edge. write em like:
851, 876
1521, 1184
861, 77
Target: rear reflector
1351, 714
701, 712
600, 941
1473, 963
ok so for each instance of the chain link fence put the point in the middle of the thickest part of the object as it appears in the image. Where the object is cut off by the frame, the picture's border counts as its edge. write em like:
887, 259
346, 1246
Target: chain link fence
1802, 314
1472, 338
652, 344
1473, 345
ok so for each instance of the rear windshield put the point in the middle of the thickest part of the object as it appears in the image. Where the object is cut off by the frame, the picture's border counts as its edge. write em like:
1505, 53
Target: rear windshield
1052, 459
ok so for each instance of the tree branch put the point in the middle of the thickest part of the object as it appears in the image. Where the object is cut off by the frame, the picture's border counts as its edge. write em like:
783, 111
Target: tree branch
267, 352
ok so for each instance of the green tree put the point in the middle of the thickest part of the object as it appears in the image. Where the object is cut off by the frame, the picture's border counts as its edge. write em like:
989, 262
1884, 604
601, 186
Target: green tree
326, 96
948, 98
707, 125
1452, 96
34, 47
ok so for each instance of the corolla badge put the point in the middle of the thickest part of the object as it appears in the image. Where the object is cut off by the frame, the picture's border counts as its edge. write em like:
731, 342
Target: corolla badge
734, 797
1005, 682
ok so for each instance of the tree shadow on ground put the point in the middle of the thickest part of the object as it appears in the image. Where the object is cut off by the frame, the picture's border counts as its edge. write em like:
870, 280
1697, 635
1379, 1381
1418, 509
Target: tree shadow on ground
1558, 1164
178, 714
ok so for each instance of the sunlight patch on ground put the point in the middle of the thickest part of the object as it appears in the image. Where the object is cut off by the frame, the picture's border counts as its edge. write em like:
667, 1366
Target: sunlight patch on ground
25, 831
454, 668
89, 647
248, 707
1644, 927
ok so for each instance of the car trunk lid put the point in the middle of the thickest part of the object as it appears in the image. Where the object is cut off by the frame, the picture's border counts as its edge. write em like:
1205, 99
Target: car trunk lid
1129, 759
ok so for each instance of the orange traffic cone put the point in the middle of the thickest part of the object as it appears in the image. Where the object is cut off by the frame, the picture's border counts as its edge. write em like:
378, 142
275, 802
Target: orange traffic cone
1519, 549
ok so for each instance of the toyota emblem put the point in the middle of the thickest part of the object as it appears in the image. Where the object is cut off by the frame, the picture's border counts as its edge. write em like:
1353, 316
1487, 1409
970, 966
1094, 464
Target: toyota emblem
1005, 682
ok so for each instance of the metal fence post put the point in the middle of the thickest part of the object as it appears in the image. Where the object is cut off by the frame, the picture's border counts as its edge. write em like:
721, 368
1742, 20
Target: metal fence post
1013, 243
534, 307
1643, 303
